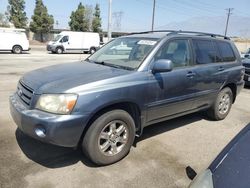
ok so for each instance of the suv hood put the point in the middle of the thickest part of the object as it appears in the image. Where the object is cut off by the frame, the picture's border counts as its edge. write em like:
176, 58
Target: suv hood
60, 78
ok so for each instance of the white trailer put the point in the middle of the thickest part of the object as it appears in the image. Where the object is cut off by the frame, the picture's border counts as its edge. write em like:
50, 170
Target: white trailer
70, 41
14, 40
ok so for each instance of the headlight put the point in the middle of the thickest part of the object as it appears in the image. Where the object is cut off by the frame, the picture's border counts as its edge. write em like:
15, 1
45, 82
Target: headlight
57, 103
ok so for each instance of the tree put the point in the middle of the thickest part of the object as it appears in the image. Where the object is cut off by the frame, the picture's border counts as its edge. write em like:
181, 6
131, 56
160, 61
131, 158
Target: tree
3, 21
78, 21
96, 22
41, 22
16, 12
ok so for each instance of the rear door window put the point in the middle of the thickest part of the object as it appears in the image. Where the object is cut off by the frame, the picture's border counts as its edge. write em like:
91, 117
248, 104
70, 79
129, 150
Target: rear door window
226, 51
205, 51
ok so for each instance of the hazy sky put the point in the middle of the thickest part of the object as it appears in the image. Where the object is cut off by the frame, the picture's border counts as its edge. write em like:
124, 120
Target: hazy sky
137, 14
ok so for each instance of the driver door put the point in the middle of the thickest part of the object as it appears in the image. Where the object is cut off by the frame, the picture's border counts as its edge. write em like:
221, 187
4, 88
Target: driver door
65, 43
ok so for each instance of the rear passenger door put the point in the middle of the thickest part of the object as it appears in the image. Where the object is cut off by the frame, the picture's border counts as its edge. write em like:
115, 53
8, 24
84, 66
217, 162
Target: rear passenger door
210, 71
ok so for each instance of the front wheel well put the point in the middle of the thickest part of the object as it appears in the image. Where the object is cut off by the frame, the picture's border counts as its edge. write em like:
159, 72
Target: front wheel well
129, 107
233, 88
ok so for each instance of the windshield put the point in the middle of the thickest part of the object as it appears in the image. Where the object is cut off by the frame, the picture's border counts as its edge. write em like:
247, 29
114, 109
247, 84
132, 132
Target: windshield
124, 52
57, 38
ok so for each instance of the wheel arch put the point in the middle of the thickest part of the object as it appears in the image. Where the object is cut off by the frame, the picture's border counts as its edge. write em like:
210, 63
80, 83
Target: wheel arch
132, 108
17, 45
233, 88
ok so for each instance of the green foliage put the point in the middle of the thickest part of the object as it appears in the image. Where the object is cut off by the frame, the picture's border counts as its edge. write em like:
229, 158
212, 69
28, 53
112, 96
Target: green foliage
78, 21
41, 22
16, 12
96, 22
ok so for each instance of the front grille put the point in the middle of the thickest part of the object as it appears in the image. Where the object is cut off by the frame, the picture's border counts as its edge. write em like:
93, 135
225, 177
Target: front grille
247, 71
24, 92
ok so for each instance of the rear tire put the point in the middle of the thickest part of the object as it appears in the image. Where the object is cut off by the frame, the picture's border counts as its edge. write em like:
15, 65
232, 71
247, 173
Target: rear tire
222, 105
17, 49
109, 138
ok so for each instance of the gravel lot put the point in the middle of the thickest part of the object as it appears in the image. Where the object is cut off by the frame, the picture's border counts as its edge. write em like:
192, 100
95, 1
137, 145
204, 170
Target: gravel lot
159, 158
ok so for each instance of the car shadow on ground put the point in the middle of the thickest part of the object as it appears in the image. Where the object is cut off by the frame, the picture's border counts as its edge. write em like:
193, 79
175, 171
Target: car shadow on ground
52, 156
49, 155
169, 125
247, 87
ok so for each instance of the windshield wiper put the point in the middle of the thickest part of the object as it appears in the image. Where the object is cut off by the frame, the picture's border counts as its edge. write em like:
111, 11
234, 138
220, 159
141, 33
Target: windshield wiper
118, 66
110, 64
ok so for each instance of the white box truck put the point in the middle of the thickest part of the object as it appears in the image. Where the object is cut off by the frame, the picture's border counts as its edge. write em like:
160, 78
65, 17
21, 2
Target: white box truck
14, 40
70, 41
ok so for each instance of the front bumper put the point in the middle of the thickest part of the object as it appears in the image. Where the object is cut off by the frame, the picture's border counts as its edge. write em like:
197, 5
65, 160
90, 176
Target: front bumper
49, 47
62, 130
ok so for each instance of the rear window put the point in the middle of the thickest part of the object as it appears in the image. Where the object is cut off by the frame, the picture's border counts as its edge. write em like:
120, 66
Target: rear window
226, 51
205, 51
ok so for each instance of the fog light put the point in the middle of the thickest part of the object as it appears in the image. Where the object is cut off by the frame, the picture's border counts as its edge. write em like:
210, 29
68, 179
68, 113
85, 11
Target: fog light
40, 132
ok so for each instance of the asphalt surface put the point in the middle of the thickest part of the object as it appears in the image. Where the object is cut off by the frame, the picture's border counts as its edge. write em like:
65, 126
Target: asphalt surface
158, 159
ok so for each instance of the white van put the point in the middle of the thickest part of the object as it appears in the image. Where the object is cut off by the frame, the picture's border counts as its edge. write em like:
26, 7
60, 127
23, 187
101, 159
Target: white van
14, 40
70, 41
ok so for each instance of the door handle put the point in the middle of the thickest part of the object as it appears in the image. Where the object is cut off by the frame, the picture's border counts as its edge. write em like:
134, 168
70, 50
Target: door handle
190, 74
221, 69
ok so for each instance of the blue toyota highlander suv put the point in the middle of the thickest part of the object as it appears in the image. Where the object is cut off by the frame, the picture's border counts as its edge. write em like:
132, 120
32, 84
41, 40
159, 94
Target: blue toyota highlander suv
103, 102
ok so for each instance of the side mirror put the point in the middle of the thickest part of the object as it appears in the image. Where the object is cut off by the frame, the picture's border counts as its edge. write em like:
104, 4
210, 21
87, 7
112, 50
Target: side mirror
162, 65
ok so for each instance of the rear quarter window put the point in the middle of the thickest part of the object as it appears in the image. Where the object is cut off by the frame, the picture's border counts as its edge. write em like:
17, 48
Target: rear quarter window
227, 53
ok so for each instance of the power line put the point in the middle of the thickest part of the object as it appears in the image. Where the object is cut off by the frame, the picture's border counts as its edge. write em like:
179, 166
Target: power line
229, 13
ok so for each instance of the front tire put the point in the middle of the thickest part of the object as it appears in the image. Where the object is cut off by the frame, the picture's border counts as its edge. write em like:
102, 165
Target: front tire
222, 105
109, 138
59, 50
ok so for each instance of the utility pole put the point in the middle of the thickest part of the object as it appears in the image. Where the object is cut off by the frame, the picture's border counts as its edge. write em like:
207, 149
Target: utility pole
153, 17
110, 21
229, 12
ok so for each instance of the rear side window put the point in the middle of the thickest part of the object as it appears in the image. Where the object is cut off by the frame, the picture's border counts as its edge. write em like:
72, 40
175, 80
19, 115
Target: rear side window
205, 51
226, 51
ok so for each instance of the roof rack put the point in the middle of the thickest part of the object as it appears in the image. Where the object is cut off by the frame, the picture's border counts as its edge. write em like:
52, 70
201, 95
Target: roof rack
155, 31
172, 32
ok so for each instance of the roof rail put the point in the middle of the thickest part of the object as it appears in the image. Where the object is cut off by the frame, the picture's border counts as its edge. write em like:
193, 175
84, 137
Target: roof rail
172, 32
155, 31
199, 34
